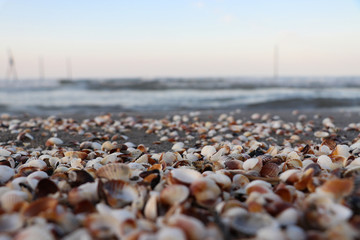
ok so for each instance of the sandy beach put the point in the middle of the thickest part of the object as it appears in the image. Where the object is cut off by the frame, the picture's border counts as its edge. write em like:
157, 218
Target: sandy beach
230, 175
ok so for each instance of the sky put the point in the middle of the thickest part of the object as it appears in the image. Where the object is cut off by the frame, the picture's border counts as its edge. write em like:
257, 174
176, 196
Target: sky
184, 38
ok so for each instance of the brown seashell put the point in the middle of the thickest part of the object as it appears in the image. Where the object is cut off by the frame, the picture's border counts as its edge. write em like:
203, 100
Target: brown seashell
78, 177
45, 187
114, 171
87, 191
270, 170
205, 191
118, 193
84, 206
76, 154
234, 164
183, 176
287, 194
174, 194
44, 207
329, 142
306, 181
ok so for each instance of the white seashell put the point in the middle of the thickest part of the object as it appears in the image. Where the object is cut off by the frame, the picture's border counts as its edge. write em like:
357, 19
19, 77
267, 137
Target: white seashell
191, 157
53, 141
306, 162
10, 223
15, 183
184, 175
151, 209
293, 155
193, 228
174, 194
6, 173
341, 150
270, 233
205, 191
325, 162
288, 173
208, 151
178, 147
294, 232
240, 181
95, 146
36, 163
11, 198
87, 191
107, 146
81, 233
258, 183
169, 158
4, 152
288, 217
324, 150
170, 233
252, 164
220, 179
35, 232
320, 134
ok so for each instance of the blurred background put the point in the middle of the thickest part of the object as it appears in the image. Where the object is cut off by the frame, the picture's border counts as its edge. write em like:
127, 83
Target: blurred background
70, 56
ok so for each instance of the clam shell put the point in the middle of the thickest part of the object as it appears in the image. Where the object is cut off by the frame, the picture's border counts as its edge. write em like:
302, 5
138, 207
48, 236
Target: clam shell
107, 146
151, 209
114, 171
6, 173
178, 147
184, 176
208, 151
119, 193
270, 170
10, 223
253, 164
174, 194
205, 191
53, 141
290, 176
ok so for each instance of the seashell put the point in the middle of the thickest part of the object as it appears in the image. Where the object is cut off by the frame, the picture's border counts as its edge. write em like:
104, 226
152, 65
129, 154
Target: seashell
290, 176
239, 181
76, 154
35, 177
184, 176
119, 193
45, 206
352, 171
270, 233
87, 191
341, 150
17, 182
10, 200
289, 216
223, 181
325, 163
114, 171
45, 187
250, 224
78, 177
36, 163
193, 228
270, 170
258, 186
151, 209
178, 147
205, 191
234, 164
81, 233
321, 134
208, 151
294, 232
168, 158
253, 164
293, 163
10, 223
53, 141
168, 233
4, 152
34, 232
6, 173
174, 194
107, 146
337, 188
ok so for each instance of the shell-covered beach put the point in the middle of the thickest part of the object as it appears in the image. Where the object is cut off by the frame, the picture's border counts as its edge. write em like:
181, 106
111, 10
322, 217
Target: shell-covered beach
191, 175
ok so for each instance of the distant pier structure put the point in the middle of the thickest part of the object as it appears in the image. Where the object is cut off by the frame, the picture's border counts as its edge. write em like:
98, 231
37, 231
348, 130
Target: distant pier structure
276, 62
11, 73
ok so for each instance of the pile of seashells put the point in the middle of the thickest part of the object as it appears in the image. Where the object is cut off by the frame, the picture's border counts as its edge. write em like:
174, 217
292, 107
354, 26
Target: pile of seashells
222, 179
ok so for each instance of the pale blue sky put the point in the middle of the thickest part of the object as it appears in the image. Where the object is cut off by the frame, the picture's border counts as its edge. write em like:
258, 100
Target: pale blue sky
181, 38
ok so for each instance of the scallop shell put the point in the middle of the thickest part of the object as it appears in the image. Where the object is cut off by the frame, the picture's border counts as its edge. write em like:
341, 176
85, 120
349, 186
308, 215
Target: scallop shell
10, 200
119, 193
6, 173
114, 171
174, 194
270, 170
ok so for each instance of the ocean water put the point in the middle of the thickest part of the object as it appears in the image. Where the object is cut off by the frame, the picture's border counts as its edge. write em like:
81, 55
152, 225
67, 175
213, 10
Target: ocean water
177, 94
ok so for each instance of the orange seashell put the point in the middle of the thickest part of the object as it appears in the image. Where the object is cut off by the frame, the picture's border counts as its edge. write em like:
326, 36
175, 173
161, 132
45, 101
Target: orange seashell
255, 207
338, 188
45, 207
205, 191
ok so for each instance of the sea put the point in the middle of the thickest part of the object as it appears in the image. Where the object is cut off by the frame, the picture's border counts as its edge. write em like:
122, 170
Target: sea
178, 94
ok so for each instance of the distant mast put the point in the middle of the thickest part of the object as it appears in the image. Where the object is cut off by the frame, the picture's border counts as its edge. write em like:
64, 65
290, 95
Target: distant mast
41, 69
276, 62
11, 71
68, 68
